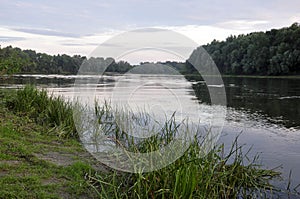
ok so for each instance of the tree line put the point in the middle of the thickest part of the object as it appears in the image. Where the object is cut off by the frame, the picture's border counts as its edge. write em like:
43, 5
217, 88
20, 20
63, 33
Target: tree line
274, 52
15, 60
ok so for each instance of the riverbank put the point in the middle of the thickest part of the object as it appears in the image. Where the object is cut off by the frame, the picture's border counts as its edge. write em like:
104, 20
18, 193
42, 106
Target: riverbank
41, 157
36, 163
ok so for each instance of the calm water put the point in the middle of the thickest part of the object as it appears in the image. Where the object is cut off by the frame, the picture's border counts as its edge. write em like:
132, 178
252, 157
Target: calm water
265, 111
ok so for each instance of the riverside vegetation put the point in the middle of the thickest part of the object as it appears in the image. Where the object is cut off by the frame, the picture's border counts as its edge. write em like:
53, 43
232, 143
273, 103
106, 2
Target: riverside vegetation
37, 130
35, 161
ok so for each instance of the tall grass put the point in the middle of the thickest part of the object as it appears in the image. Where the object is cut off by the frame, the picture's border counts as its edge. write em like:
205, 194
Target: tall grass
207, 177
51, 111
215, 175
218, 174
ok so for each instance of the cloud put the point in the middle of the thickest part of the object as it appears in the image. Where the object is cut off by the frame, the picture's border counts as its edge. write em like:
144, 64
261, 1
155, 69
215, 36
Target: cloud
205, 34
51, 43
72, 44
243, 24
75, 18
80, 44
295, 18
10, 39
45, 32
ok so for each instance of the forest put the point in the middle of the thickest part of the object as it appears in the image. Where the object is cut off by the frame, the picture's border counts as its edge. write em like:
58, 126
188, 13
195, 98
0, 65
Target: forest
274, 52
15, 60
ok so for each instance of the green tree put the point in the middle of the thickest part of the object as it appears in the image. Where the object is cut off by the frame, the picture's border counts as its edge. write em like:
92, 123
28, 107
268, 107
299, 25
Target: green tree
12, 60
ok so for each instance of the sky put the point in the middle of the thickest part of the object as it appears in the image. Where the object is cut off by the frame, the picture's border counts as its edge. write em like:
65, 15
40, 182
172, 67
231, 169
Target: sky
78, 27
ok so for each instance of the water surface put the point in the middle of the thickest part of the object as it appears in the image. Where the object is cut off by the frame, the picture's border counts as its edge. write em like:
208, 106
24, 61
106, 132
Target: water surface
264, 112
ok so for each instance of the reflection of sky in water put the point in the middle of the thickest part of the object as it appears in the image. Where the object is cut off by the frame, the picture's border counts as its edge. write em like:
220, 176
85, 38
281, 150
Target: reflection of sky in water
159, 96
242, 117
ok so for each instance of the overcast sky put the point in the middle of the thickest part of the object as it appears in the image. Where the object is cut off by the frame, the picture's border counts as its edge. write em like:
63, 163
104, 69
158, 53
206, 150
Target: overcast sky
77, 27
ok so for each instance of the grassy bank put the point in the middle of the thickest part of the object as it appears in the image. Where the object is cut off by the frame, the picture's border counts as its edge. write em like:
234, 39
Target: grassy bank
40, 157
35, 162
45, 110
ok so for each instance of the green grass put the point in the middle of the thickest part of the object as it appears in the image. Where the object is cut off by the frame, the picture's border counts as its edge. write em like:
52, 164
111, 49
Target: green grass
26, 171
194, 175
34, 125
50, 111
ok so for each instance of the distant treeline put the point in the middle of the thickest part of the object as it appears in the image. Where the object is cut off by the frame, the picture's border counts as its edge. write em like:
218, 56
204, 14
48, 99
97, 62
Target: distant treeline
15, 60
275, 52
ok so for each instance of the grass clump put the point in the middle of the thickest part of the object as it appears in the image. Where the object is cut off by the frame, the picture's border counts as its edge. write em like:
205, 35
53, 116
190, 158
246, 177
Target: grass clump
214, 175
47, 110
189, 177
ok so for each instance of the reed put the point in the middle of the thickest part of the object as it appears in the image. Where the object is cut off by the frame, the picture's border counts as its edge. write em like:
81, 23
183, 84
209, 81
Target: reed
218, 174
44, 109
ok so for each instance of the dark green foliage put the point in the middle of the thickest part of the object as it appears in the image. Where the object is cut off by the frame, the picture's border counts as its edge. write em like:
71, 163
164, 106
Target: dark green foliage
12, 60
275, 52
15, 60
